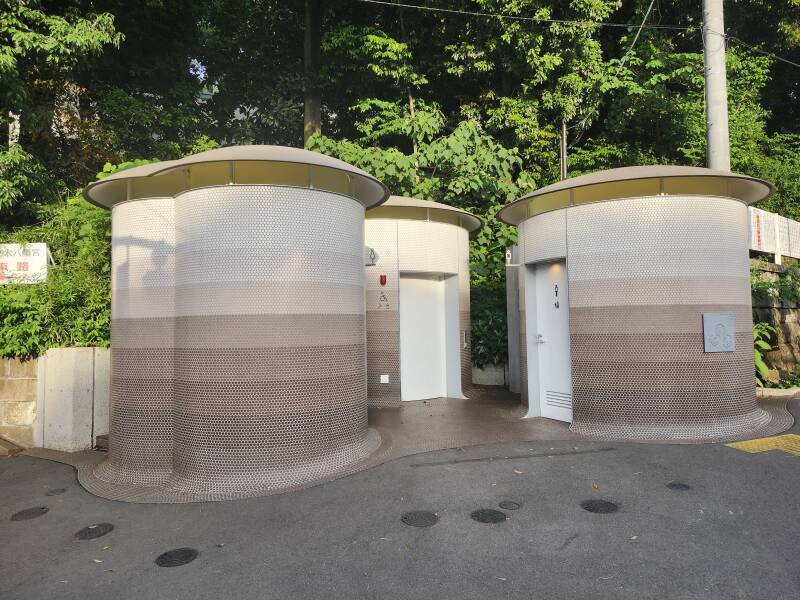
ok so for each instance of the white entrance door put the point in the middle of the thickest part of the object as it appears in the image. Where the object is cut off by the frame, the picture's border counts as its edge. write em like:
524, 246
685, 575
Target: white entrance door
552, 338
422, 338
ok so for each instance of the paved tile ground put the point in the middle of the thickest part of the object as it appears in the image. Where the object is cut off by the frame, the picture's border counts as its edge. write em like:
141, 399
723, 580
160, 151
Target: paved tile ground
733, 534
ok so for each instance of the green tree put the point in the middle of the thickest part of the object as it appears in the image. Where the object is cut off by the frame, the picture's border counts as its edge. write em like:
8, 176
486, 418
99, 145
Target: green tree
40, 53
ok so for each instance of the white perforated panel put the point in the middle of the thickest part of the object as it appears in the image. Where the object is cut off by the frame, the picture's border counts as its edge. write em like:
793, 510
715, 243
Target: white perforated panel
673, 237
427, 247
543, 237
143, 259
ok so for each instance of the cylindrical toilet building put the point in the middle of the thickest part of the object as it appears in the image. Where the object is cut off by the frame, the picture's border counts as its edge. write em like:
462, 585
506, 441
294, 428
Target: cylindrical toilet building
635, 309
418, 328
238, 342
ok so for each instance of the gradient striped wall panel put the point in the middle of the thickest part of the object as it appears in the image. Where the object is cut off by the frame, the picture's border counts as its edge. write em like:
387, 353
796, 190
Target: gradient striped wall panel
642, 271
637, 299
465, 324
383, 314
142, 320
269, 341
409, 246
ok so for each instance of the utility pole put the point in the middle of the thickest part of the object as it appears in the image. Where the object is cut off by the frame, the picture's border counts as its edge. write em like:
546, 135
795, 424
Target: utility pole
562, 151
312, 110
718, 154
13, 128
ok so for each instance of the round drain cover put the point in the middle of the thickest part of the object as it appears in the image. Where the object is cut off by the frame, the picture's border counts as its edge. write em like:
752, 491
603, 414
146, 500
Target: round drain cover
177, 557
602, 507
488, 515
678, 486
94, 531
420, 518
509, 505
55, 492
29, 513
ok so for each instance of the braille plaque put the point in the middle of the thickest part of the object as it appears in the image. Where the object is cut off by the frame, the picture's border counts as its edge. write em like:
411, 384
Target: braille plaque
718, 332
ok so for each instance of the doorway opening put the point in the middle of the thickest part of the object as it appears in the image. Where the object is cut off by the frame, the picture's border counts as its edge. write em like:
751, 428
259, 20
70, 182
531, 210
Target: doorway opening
430, 359
547, 327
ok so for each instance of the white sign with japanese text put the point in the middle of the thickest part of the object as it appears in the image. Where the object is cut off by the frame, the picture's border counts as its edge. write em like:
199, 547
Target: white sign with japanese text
23, 263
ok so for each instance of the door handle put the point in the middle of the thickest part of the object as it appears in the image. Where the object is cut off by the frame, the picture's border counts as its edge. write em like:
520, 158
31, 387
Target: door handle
539, 338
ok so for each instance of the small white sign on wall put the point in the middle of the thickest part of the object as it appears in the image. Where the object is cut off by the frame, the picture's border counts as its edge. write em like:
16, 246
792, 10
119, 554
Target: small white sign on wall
370, 257
718, 332
23, 263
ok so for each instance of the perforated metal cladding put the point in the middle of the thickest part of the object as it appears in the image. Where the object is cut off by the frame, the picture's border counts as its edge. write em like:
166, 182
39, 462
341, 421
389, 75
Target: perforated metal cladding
464, 308
383, 314
641, 274
252, 411
238, 341
545, 237
409, 246
142, 320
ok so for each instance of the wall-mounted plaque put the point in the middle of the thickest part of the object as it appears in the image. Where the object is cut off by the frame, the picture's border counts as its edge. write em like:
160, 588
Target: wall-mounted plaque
718, 332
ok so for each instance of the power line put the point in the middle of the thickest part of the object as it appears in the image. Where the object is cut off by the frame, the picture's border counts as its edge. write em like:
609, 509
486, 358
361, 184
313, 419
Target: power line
469, 13
638, 31
764, 52
520, 18
580, 124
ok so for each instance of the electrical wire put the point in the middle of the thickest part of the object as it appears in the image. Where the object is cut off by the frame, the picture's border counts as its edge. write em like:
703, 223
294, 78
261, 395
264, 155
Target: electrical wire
469, 13
764, 52
582, 123
520, 18
638, 31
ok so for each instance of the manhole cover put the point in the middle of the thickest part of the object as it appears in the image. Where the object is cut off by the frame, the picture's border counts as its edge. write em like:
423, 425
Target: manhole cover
177, 557
55, 492
488, 515
420, 518
94, 531
602, 507
29, 513
509, 505
679, 486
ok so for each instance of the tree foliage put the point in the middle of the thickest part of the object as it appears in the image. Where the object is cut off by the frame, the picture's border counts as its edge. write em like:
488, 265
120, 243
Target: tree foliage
457, 108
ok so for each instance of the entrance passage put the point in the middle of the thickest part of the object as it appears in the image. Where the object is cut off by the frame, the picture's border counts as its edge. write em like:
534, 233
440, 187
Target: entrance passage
552, 339
423, 364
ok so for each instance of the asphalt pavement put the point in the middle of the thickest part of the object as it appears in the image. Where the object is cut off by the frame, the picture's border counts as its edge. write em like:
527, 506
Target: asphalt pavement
730, 531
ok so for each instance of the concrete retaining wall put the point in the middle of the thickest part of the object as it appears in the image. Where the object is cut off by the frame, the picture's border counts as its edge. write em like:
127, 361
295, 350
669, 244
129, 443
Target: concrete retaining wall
490, 375
58, 401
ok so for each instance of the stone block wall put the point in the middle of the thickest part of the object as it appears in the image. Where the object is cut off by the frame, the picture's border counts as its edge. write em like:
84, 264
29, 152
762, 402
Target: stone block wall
58, 401
18, 393
785, 317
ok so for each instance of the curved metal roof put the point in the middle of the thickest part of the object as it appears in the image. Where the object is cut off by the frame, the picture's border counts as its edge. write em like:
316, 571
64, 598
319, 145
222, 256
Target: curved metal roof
613, 184
106, 192
468, 221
